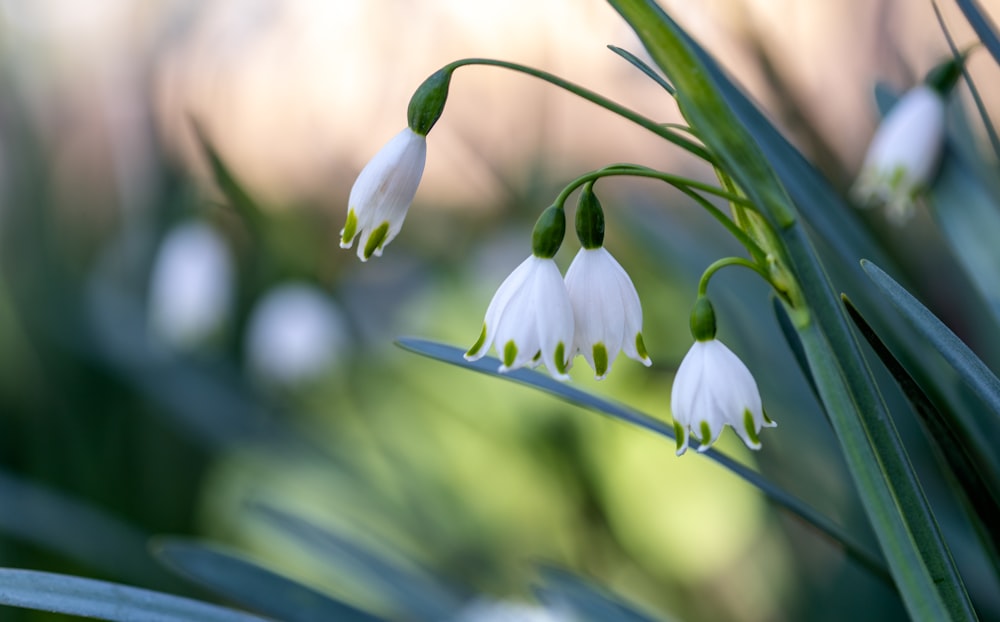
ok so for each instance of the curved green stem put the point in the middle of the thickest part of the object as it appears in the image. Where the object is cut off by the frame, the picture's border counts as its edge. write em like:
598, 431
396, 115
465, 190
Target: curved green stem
732, 261
657, 128
685, 185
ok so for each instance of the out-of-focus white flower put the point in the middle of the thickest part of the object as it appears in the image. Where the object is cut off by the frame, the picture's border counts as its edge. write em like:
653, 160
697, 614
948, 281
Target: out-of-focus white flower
295, 333
530, 320
191, 286
714, 388
383, 193
904, 153
607, 315
485, 610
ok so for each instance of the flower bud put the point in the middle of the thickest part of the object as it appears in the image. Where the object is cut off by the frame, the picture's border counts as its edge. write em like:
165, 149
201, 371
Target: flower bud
590, 219
703, 320
428, 102
549, 231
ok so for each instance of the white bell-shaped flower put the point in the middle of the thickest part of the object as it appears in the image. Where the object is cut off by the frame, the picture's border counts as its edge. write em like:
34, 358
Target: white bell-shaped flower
607, 315
191, 286
530, 320
383, 193
904, 153
712, 389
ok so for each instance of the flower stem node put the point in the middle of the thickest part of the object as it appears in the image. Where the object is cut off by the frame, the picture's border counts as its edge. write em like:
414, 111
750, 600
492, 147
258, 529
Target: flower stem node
382, 194
529, 320
904, 154
712, 389
589, 219
427, 102
607, 314
549, 231
944, 76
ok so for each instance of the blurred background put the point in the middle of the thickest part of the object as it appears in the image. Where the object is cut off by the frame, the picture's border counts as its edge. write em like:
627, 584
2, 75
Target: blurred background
169, 361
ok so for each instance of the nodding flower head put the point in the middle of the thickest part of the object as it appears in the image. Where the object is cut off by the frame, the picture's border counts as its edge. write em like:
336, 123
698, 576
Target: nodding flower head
383, 193
607, 314
529, 319
903, 155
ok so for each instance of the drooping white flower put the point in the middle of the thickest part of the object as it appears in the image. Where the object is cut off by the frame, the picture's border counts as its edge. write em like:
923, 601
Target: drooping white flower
712, 389
607, 315
904, 153
191, 285
295, 333
530, 320
383, 192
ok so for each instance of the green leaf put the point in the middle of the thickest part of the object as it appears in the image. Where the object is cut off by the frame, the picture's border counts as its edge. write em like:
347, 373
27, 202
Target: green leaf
30, 589
982, 25
238, 197
969, 366
966, 212
69, 527
410, 591
253, 586
489, 366
918, 556
971, 472
639, 64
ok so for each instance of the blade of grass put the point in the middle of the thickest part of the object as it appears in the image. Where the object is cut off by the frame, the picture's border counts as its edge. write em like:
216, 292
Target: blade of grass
44, 591
251, 585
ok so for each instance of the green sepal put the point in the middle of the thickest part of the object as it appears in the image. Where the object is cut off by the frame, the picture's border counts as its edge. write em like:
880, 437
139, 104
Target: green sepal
549, 231
428, 101
944, 76
703, 320
590, 219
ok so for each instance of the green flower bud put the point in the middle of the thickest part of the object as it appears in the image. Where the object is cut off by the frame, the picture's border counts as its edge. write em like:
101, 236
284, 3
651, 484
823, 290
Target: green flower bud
590, 219
550, 229
703, 320
428, 101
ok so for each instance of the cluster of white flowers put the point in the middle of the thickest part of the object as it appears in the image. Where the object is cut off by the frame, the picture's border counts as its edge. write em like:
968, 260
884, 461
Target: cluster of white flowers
537, 316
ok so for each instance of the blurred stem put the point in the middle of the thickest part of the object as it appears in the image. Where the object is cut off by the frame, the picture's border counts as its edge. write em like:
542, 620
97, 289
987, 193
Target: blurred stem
657, 128
685, 185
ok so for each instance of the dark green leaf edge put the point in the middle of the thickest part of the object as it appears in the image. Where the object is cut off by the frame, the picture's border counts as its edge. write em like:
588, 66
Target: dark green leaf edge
487, 365
639, 64
45, 591
969, 366
252, 585
970, 472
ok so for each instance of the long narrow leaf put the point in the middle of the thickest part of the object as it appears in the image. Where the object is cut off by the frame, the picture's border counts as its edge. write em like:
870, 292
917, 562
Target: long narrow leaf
253, 586
918, 556
30, 589
971, 472
489, 366
420, 596
982, 25
971, 368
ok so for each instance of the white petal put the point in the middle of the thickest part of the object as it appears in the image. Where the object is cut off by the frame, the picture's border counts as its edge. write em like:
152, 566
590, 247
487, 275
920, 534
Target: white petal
606, 307
385, 188
904, 153
498, 305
